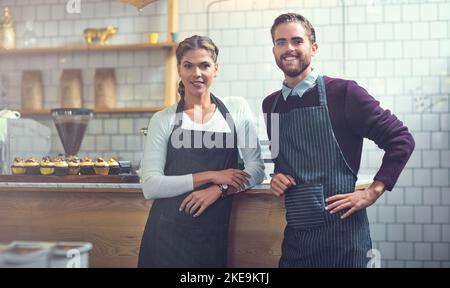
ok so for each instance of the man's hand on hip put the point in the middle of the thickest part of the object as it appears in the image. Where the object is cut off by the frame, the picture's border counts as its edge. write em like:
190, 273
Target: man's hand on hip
355, 201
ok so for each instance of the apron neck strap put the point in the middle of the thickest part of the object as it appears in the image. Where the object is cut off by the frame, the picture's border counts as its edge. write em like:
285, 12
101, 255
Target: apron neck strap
322, 94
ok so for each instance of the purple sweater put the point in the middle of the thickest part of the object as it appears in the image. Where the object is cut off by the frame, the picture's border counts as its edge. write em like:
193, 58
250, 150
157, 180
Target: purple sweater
355, 115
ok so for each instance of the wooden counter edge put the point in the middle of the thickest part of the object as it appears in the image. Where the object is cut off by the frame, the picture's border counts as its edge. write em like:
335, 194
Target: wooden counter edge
117, 190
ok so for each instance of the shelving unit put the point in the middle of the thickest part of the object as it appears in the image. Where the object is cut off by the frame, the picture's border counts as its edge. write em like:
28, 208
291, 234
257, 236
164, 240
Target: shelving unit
170, 91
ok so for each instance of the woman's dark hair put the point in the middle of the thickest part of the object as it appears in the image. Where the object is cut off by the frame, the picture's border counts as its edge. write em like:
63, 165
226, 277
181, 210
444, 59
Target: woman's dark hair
295, 18
195, 42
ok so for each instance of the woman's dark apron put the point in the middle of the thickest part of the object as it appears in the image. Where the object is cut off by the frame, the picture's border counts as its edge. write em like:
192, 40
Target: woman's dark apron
310, 153
176, 239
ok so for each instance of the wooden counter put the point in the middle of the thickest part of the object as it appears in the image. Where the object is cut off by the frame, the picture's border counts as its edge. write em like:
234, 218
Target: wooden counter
113, 221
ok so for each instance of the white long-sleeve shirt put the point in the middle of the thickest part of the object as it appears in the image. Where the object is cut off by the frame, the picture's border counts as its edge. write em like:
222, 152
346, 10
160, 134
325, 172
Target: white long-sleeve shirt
157, 185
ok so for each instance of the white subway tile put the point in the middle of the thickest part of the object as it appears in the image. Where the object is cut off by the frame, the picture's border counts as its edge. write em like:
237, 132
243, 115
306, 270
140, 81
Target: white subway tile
351, 34
439, 140
386, 214
422, 214
253, 19
428, 12
133, 143
446, 233
43, 12
440, 177
413, 233
356, 15
395, 197
438, 30
394, 50
188, 22
405, 214
431, 233
431, 196
392, 13
405, 178
405, 251
421, 67
430, 122
387, 250
411, 12
443, 11
103, 143
125, 126
411, 49
422, 177
321, 16
385, 31
441, 251
246, 37
420, 30
395, 232
445, 156
402, 31
441, 214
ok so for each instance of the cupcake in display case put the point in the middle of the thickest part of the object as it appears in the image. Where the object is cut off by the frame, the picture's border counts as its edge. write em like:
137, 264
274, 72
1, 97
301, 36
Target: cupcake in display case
74, 165
32, 166
87, 166
47, 167
114, 168
101, 167
61, 166
18, 166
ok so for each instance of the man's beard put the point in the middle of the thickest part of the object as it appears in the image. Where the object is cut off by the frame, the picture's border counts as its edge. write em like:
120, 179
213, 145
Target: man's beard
304, 63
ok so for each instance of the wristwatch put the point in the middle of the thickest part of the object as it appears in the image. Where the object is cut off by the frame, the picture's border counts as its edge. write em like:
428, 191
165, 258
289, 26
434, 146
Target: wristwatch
224, 188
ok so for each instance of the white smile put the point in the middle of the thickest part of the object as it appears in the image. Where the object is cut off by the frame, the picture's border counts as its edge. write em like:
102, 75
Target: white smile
197, 84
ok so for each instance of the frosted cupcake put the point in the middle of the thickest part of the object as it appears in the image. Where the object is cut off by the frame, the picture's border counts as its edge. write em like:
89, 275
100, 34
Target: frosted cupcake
18, 166
101, 167
61, 166
87, 166
47, 166
74, 166
32, 166
114, 168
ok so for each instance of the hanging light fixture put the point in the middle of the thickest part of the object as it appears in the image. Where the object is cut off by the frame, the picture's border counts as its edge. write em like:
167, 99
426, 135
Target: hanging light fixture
139, 4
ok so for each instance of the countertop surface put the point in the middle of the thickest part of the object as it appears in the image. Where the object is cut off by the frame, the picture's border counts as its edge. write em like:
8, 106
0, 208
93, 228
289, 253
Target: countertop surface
130, 187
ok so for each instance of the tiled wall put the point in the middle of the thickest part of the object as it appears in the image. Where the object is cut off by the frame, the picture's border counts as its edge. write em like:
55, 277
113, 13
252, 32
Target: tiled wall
399, 50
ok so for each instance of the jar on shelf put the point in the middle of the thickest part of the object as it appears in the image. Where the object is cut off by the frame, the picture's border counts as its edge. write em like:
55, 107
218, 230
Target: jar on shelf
32, 90
105, 88
71, 86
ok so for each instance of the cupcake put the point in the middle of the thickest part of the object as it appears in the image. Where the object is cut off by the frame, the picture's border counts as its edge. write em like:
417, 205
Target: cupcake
61, 166
18, 166
74, 165
47, 166
101, 167
114, 168
87, 166
32, 166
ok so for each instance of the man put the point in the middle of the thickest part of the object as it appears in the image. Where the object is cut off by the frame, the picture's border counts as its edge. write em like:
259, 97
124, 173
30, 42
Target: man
322, 123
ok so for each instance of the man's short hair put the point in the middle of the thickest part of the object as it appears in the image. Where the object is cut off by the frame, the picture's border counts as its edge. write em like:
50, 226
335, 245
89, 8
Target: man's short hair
295, 18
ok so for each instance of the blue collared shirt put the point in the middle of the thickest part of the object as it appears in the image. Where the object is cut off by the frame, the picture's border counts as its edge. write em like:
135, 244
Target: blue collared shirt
305, 85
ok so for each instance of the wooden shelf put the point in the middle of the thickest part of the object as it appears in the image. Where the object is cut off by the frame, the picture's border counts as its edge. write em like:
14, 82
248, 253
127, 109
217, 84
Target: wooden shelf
109, 110
86, 48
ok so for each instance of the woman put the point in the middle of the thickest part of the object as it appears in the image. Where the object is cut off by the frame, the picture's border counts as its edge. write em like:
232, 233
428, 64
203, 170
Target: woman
189, 179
